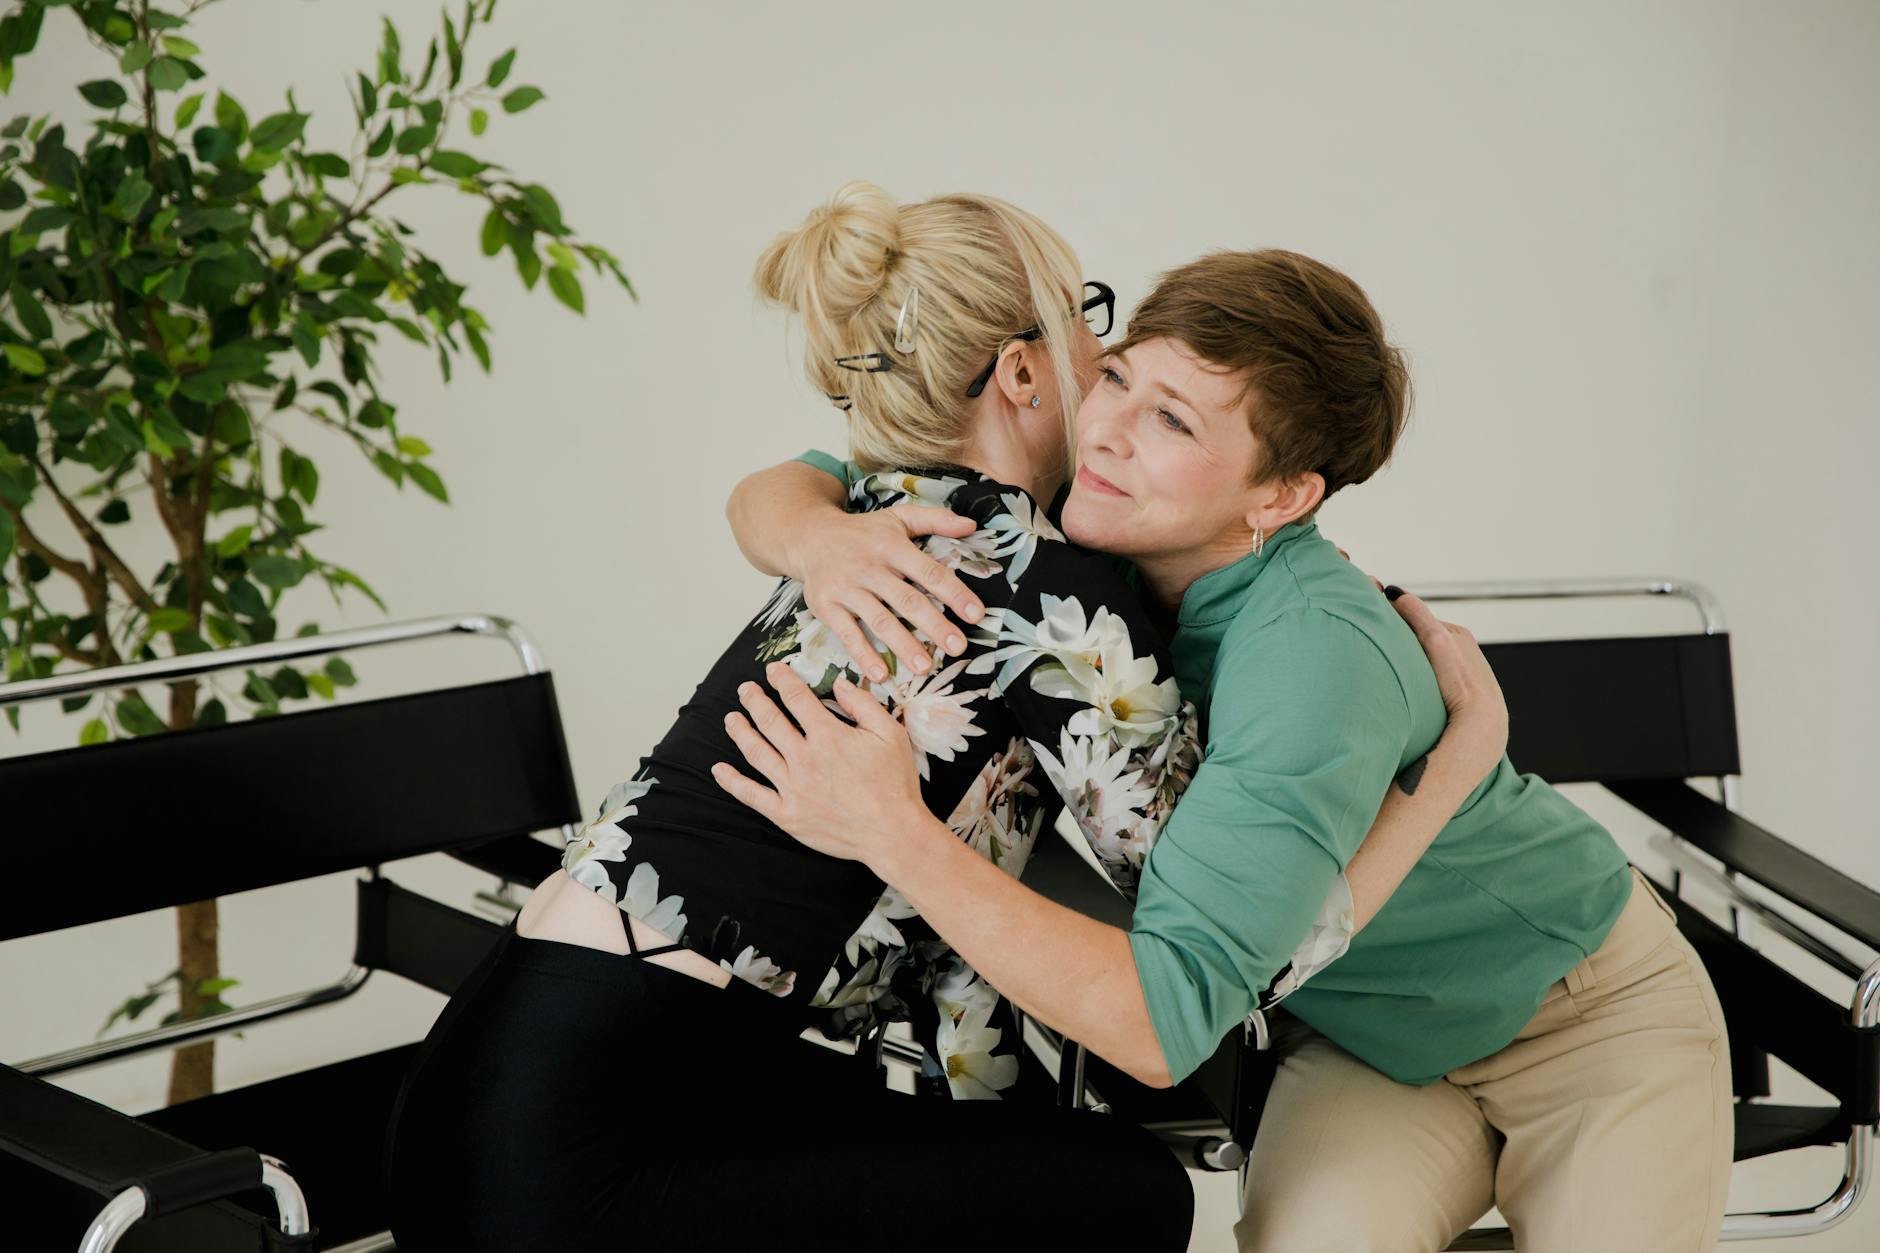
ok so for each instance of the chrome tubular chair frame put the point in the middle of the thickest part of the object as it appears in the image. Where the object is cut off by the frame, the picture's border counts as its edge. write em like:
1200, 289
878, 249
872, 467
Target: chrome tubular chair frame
1864, 1010
124, 1209
172, 669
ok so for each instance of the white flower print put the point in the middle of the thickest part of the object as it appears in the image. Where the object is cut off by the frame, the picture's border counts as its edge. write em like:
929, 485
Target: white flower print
1103, 791
878, 928
865, 987
965, 1049
960, 990
644, 902
819, 654
973, 554
602, 840
1121, 689
754, 968
1325, 942
782, 603
891, 488
992, 816
1062, 634
937, 719
1020, 527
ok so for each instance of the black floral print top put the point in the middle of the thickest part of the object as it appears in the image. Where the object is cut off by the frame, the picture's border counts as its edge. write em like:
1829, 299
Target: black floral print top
1064, 700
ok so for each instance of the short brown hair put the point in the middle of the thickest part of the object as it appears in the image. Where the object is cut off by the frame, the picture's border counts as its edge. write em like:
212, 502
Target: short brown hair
1330, 394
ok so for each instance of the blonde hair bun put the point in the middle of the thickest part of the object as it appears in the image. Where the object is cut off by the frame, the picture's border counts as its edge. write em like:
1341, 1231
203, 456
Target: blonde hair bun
830, 267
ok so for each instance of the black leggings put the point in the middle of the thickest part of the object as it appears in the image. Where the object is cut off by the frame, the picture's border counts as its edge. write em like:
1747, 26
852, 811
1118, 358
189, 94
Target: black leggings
573, 1099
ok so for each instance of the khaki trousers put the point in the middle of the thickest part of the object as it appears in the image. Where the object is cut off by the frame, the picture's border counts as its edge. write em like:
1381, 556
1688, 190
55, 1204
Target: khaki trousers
1605, 1126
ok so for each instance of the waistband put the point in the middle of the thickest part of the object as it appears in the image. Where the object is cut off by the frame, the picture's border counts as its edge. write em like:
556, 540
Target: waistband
1643, 925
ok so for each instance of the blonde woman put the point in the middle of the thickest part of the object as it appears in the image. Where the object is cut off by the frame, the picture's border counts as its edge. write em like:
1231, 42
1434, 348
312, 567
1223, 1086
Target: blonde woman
624, 1072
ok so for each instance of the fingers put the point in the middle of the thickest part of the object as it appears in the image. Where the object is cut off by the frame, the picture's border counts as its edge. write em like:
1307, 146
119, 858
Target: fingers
894, 635
769, 719
757, 750
911, 604
919, 568
755, 795
934, 520
799, 700
1342, 553
1421, 619
869, 714
843, 626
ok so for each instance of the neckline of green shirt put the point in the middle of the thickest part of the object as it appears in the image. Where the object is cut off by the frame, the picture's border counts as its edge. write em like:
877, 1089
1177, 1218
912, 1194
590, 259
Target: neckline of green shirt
1218, 595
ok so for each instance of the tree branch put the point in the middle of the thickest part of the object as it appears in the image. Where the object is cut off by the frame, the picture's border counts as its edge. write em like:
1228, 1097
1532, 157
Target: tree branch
107, 556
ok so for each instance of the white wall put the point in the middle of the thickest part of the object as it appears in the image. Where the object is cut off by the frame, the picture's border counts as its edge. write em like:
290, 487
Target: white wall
1630, 248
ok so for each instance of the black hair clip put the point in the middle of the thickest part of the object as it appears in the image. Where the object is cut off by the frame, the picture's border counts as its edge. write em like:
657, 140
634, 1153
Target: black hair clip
877, 363
841, 402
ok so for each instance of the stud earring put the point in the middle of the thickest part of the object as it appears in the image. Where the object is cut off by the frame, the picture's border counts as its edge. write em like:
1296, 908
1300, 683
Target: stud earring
1259, 540
1036, 401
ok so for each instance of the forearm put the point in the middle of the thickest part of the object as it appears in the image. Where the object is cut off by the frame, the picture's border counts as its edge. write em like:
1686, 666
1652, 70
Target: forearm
1417, 806
768, 507
1071, 972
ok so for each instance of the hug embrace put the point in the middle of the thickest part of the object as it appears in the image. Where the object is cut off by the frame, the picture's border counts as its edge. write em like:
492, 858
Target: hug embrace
1059, 578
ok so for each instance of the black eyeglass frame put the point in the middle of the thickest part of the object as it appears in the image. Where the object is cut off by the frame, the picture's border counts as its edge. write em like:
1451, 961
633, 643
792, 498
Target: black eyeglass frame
1105, 299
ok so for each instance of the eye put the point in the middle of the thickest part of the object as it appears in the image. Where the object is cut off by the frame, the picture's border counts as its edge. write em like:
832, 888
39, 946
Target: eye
1170, 422
1109, 375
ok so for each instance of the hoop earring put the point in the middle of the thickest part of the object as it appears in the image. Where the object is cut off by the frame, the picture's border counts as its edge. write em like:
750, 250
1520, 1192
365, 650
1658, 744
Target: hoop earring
1259, 540
1036, 401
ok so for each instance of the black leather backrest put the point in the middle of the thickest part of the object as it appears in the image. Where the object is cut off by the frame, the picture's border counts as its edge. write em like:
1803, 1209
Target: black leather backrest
114, 829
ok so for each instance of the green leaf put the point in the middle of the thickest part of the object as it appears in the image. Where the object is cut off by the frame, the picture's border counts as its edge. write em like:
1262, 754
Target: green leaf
213, 714
186, 111
412, 446
230, 115
166, 74
181, 48
521, 98
163, 621
342, 576
455, 164
24, 359
95, 732
368, 97
381, 142
46, 218
479, 121
340, 672
32, 315
499, 69
136, 717
235, 542
215, 987
567, 288
425, 477
277, 572
129, 199
244, 599
390, 467
329, 164
12, 195
495, 231
117, 513
135, 57
105, 93
416, 138
306, 479
276, 131
154, 442
6, 535
320, 685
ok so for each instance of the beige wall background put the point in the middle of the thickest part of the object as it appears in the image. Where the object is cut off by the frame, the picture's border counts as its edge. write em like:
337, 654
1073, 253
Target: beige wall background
1629, 247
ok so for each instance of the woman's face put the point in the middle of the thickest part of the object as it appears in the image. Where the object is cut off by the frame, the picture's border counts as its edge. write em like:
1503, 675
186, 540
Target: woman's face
1165, 455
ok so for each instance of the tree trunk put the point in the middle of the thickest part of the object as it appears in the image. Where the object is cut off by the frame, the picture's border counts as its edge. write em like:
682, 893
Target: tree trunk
198, 928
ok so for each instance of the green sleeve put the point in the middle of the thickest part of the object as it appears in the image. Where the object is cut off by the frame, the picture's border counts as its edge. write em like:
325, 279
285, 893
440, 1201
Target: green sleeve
846, 471
1307, 729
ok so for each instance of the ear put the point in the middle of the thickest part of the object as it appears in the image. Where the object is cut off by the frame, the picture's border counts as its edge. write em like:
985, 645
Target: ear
1015, 375
1286, 501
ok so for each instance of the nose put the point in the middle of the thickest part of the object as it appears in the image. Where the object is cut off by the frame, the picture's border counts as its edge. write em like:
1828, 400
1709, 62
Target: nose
1100, 427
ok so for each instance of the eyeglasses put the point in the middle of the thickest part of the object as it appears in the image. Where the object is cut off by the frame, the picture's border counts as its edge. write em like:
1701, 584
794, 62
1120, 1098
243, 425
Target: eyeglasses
1099, 309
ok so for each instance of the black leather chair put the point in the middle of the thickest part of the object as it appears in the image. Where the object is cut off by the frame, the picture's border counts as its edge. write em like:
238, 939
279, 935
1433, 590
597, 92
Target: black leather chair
467, 771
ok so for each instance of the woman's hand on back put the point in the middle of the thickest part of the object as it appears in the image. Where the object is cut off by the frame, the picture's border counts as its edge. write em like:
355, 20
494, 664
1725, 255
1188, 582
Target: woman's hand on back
1478, 713
869, 569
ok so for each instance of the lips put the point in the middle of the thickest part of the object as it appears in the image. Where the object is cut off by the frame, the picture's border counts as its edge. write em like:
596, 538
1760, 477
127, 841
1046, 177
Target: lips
1097, 483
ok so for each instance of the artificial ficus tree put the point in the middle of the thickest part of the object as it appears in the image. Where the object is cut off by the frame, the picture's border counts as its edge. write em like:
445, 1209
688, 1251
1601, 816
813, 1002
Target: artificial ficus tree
180, 295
